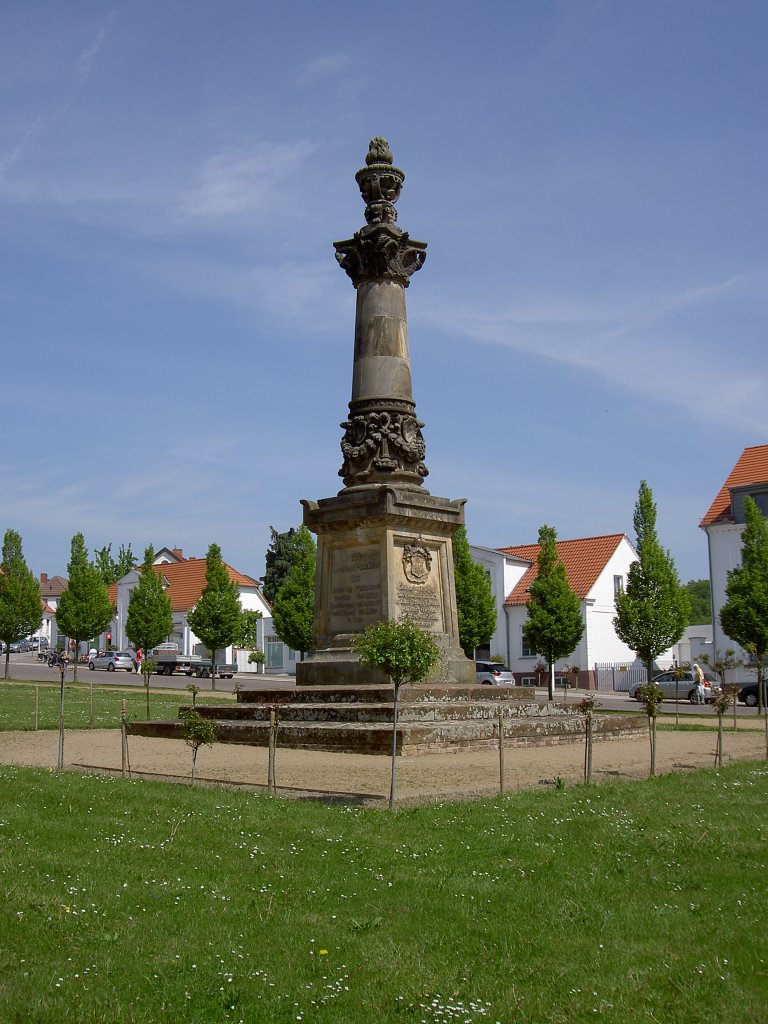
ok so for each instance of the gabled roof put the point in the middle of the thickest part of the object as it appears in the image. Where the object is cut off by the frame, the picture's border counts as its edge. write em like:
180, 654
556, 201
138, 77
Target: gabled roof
584, 559
52, 586
170, 555
752, 468
186, 581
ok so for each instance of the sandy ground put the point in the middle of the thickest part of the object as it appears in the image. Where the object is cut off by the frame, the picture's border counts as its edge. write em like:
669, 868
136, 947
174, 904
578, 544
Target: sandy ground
364, 779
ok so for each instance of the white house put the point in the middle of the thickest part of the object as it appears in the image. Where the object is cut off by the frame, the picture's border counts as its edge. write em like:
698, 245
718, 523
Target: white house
724, 524
51, 589
597, 568
184, 581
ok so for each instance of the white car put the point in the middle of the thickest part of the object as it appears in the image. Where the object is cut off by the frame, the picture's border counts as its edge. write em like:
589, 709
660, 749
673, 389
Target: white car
490, 673
111, 661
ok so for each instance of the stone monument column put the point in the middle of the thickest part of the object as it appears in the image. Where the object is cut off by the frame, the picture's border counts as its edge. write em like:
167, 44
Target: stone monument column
384, 542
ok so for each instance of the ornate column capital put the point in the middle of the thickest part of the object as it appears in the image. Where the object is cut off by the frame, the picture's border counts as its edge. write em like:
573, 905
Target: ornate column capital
380, 250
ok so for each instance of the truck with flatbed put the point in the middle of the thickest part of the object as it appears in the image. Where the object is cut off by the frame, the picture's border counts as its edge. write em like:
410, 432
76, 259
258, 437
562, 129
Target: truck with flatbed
169, 662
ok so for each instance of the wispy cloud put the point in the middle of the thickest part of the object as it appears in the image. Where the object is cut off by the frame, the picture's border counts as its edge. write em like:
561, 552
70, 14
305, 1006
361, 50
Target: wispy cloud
86, 59
328, 65
15, 153
83, 66
630, 340
241, 183
236, 186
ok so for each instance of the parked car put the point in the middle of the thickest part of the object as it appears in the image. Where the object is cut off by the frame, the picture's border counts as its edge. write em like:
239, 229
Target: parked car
748, 695
682, 686
489, 673
111, 661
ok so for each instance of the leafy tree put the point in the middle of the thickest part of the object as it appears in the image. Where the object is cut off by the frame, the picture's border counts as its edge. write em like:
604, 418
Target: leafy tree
700, 597
20, 605
721, 701
249, 638
586, 707
217, 618
650, 696
198, 731
84, 609
722, 663
475, 606
293, 608
403, 652
279, 561
744, 616
150, 620
555, 625
652, 612
112, 569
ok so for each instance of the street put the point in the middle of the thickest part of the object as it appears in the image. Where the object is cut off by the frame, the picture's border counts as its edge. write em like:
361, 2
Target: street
26, 667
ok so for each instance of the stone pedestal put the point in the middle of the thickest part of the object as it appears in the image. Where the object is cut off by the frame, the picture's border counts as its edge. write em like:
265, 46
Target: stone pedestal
383, 553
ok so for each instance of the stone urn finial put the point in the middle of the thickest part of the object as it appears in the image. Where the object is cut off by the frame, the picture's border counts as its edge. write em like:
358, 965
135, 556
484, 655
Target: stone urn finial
379, 152
380, 183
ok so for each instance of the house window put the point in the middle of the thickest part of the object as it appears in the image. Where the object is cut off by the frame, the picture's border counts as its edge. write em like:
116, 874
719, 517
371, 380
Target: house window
525, 650
618, 585
528, 680
761, 500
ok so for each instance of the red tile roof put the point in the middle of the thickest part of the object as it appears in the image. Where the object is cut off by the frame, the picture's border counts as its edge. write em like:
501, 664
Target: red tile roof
752, 468
186, 581
584, 560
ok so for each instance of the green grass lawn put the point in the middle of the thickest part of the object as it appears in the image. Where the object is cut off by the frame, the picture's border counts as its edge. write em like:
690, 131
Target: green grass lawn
130, 901
17, 704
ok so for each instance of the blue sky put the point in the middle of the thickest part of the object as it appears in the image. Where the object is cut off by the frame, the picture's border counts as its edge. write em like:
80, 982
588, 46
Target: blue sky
176, 336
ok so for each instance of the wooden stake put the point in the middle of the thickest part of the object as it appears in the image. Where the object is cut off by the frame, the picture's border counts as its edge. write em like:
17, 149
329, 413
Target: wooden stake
502, 779
272, 738
37, 708
124, 737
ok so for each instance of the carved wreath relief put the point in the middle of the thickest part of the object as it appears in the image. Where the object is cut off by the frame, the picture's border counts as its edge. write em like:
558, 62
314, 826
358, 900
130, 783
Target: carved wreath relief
382, 442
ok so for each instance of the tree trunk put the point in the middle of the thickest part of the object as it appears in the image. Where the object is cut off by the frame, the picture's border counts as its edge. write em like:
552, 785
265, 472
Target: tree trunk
652, 735
720, 741
272, 745
588, 749
60, 761
213, 669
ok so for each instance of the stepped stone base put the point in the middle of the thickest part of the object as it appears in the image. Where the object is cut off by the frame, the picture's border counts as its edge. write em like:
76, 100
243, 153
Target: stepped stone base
430, 719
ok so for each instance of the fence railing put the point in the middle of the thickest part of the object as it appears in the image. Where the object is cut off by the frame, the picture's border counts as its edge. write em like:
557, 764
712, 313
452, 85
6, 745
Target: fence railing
617, 676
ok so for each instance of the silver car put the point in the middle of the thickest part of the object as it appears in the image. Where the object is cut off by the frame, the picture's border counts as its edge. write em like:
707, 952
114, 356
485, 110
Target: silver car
111, 661
490, 673
682, 687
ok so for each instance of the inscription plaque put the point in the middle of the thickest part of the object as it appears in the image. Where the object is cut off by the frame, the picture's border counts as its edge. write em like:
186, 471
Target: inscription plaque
421, 606
418, 594
355, 598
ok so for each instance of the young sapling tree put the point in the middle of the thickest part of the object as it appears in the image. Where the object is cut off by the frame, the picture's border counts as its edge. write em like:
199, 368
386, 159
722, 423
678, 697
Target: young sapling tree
403, 652
198, 732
